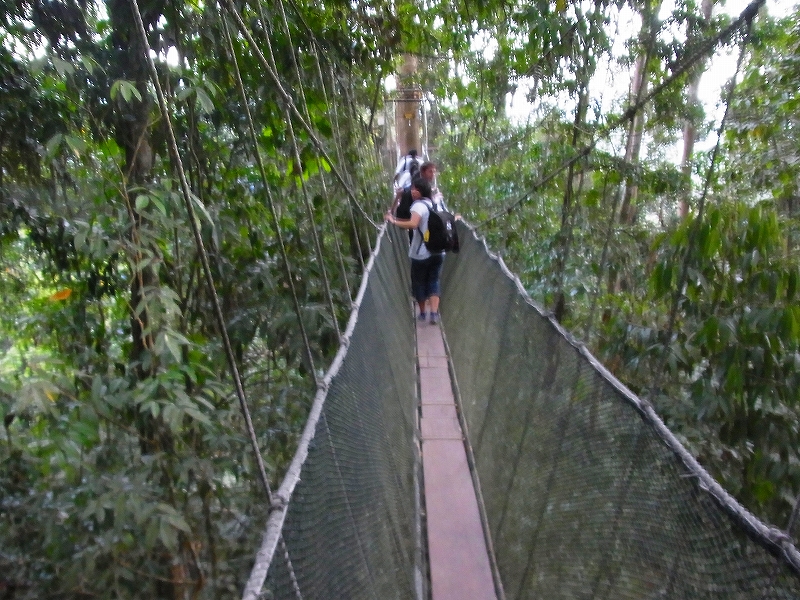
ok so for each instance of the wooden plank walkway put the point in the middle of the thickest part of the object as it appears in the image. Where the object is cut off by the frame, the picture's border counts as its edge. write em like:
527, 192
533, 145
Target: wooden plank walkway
459, 562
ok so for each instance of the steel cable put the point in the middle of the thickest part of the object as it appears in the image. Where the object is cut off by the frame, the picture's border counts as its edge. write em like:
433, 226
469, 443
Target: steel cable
186, 194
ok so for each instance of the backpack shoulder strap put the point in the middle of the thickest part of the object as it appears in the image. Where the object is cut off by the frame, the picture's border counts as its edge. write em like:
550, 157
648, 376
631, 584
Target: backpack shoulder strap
430, 210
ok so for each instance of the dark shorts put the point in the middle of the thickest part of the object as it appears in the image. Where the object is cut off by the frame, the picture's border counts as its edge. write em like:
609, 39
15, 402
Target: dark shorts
425, 276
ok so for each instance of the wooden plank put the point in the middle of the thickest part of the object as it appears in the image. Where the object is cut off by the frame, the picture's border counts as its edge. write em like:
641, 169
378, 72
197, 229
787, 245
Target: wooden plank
459, 561
439, 411
434, 428
435, 386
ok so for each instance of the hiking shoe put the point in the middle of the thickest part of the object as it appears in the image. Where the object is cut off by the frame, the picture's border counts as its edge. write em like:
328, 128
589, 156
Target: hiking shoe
421, 317
434, 318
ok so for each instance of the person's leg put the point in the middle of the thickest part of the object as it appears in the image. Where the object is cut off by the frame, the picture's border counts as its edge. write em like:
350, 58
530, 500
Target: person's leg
433, 286
419, 284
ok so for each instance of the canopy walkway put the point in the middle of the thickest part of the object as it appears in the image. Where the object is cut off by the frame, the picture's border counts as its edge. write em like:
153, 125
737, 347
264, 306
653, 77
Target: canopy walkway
582, 490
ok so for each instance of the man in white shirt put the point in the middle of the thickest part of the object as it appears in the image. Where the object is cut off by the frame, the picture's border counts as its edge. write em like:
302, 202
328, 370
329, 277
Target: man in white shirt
406, 169
428, 171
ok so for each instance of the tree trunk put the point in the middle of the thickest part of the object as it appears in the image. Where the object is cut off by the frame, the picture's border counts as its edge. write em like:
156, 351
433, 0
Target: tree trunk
564, 239
133, 134
628, 193
690, 123
633, 147
407, 113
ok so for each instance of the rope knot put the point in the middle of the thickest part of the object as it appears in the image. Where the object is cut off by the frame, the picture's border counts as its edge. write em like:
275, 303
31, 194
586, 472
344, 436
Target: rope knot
278, 502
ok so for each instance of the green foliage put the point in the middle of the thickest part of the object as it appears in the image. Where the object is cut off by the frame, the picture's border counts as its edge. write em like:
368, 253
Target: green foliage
125, 465
731, 384
124, 462
723, 373
762, 140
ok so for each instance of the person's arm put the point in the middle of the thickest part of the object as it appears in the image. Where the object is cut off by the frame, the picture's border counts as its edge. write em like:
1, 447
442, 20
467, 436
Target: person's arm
411, 223
397, 195
456, 216
401, 166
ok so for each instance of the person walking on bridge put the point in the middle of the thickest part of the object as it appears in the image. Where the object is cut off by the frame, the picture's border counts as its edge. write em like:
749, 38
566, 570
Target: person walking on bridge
428, 171
407, 169
426, 267
401, 208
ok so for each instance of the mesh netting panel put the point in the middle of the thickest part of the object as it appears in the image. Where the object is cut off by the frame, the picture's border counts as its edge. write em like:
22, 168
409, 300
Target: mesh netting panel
586, 492
351, 526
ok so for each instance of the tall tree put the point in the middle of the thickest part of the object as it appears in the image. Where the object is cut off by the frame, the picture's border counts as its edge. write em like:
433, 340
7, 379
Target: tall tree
122, 445
588, 38
697, 29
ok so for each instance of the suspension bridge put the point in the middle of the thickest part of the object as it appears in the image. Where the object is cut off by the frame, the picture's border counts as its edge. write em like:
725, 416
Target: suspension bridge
490, 457
496, 458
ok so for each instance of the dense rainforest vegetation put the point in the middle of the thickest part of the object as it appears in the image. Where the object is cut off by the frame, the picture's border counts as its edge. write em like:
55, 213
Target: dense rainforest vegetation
189, 192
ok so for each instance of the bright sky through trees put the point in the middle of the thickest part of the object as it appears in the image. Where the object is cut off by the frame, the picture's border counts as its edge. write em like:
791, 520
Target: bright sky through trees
612, 81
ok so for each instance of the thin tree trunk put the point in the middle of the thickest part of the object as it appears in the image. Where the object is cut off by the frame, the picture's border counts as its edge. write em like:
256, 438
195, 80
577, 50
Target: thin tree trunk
633, 147
133, 134
690, 123
628, 193
568, 208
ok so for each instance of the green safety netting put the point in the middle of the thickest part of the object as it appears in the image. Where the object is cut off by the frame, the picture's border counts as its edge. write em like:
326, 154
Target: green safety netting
350, 526
585, 492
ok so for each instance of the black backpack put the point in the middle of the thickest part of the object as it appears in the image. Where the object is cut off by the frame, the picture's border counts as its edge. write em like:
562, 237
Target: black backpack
413, 168
403, 210
441, 234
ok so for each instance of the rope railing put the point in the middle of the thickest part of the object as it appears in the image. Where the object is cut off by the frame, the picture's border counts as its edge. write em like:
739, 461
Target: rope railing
587, 492
346, 506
